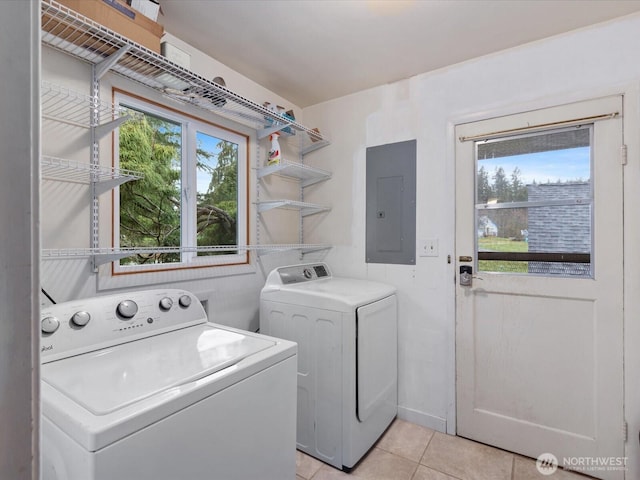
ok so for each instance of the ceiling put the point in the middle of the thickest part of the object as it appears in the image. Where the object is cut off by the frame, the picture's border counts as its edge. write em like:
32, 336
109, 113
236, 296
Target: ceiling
310, 51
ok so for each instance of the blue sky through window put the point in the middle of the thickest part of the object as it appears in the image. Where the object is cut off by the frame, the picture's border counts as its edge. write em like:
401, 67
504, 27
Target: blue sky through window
208, 144
564, 165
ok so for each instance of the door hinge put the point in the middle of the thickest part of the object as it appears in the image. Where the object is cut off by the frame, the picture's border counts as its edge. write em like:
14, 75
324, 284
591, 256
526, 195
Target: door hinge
625, 432
623, 154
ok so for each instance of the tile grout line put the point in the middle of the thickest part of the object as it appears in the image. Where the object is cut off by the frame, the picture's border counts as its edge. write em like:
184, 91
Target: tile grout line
421, 455
513, 466
419, 463
427, 446
443, 473
313, 474
415, 470
430, 467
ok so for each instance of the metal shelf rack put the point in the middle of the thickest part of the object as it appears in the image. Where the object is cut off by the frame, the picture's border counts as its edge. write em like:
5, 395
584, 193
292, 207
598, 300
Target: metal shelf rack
83, 38
306, 174
106, 178
106, 255
62, 104
304, 208
106, 51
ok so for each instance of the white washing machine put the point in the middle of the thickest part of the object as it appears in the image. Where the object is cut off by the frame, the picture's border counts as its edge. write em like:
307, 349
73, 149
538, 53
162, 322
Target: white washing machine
140, 386
346, 330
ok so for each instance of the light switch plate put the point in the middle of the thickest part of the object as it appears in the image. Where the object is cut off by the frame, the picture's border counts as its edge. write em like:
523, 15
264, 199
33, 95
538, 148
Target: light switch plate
428, 247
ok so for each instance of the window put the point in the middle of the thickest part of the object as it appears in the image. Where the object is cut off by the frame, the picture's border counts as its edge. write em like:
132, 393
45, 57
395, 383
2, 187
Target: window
534, 203
192, 201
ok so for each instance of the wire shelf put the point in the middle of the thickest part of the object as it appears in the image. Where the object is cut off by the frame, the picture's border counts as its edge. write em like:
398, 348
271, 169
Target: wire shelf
106, 255
77, 35
68, 106
306, 174
304, 207
60, 169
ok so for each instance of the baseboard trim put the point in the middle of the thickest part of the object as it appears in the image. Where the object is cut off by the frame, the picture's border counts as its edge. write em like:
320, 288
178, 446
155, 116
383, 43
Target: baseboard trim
424, 419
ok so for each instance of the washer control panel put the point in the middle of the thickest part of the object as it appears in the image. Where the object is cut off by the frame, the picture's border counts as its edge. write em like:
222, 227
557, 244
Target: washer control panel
301, 273
85, 325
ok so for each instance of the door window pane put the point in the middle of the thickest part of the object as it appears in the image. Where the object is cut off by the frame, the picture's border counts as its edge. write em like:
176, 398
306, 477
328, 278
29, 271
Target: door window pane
533, 203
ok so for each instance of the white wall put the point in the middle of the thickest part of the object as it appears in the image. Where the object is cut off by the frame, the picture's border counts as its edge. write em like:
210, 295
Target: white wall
584, 64
19, 246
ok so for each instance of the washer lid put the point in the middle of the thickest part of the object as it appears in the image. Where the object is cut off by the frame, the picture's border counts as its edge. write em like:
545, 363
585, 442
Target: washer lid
110, 379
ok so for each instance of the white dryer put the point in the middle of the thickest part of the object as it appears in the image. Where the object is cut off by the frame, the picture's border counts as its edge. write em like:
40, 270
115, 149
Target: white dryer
346, 330
140, 386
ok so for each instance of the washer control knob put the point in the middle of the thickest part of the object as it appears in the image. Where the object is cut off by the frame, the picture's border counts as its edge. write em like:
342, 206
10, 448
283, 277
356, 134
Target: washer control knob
127, 308
307, 273
80, 318
49, 324
166, 303
185, 301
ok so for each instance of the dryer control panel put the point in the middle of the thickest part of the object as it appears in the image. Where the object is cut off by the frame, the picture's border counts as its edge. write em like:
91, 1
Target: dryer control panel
85, 325
299, 273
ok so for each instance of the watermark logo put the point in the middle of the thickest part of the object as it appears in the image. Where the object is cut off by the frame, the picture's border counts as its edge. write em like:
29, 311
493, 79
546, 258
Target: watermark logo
547, 464
589, 465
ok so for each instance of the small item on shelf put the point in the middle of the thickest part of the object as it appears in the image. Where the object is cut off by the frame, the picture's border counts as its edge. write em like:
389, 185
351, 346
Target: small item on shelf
288, 130
269, 119
175, 55
216, 99
275, 154
149, 8
269, 106
288, 117
278, 111
289, 113
315, 138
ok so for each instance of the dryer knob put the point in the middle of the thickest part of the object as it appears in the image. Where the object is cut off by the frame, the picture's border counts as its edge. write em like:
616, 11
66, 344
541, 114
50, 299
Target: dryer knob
49, 324
166, 303
80, 318
127, 308
185, 301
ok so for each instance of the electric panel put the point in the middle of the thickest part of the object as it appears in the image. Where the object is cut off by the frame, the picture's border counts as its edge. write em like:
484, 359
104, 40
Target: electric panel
391, 203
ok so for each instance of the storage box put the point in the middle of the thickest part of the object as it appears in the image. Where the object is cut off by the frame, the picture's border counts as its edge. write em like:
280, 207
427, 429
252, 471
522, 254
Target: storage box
116, 15
149, 8
175, 55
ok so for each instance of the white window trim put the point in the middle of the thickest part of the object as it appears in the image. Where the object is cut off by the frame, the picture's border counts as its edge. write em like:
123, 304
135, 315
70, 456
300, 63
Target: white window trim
190, 125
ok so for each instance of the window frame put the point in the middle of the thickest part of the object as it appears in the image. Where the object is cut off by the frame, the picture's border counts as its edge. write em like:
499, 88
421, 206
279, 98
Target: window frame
191, 125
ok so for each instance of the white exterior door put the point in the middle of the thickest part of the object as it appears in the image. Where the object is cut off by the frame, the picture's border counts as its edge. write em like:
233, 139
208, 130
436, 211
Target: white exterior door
539, 338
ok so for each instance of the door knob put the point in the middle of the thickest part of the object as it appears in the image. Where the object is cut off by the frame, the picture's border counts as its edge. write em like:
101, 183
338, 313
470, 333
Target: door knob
466, 275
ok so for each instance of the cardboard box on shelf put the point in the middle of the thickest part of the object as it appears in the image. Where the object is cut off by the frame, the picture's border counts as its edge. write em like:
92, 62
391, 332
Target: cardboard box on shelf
116, 15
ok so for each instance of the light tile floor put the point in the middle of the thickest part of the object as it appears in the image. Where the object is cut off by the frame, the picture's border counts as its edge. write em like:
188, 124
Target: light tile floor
411, 452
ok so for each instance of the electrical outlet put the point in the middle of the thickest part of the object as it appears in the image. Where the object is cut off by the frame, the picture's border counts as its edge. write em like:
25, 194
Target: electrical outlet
428, 247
